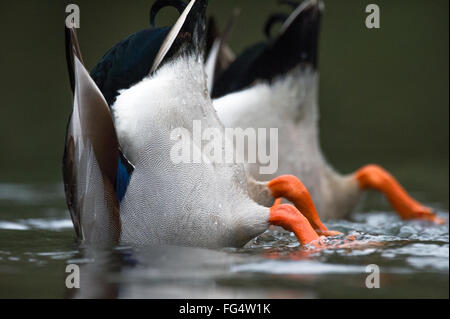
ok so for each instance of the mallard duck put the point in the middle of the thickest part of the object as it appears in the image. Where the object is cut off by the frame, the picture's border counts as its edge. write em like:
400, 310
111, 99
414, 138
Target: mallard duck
121, 184
274, 84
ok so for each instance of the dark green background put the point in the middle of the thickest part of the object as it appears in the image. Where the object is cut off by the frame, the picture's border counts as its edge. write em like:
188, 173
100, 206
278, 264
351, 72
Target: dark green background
383, 96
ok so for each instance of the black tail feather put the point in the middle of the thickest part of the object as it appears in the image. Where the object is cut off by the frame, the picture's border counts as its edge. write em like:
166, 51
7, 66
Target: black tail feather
72, 48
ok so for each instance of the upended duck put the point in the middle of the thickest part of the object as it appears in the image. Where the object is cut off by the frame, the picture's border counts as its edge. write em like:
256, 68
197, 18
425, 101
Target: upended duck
274, 84
120, 181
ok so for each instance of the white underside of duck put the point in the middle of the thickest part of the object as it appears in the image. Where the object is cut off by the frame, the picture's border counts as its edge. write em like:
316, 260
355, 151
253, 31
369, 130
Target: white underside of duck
203, 204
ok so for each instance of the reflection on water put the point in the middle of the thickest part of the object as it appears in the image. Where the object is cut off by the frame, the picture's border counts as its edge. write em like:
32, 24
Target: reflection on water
37, 242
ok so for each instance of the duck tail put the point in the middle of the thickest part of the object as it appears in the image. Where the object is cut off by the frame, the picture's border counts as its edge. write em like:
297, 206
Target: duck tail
90, 155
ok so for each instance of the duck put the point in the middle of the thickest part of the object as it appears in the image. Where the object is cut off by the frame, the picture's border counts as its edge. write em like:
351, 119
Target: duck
274, 84
121, 183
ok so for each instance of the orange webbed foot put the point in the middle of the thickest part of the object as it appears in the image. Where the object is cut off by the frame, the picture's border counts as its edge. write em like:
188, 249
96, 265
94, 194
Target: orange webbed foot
375, 177
291, 188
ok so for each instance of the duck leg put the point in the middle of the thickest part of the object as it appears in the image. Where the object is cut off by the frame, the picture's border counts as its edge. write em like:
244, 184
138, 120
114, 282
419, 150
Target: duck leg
288, 217
375, 177
291, 188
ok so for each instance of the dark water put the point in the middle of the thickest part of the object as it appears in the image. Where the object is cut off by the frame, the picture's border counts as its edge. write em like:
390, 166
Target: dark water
384, 99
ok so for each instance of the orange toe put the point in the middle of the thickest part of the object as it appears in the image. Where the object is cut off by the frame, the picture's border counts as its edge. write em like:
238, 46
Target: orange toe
288, 217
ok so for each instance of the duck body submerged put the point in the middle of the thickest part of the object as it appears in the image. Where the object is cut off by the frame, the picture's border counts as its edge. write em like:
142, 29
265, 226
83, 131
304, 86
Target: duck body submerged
121, 183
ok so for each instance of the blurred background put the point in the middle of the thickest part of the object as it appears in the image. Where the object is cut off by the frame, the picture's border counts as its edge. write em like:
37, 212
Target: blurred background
384, 99
383, 93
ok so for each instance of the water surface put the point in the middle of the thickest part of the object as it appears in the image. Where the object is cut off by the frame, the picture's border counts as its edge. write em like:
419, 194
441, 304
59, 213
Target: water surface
38, 242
